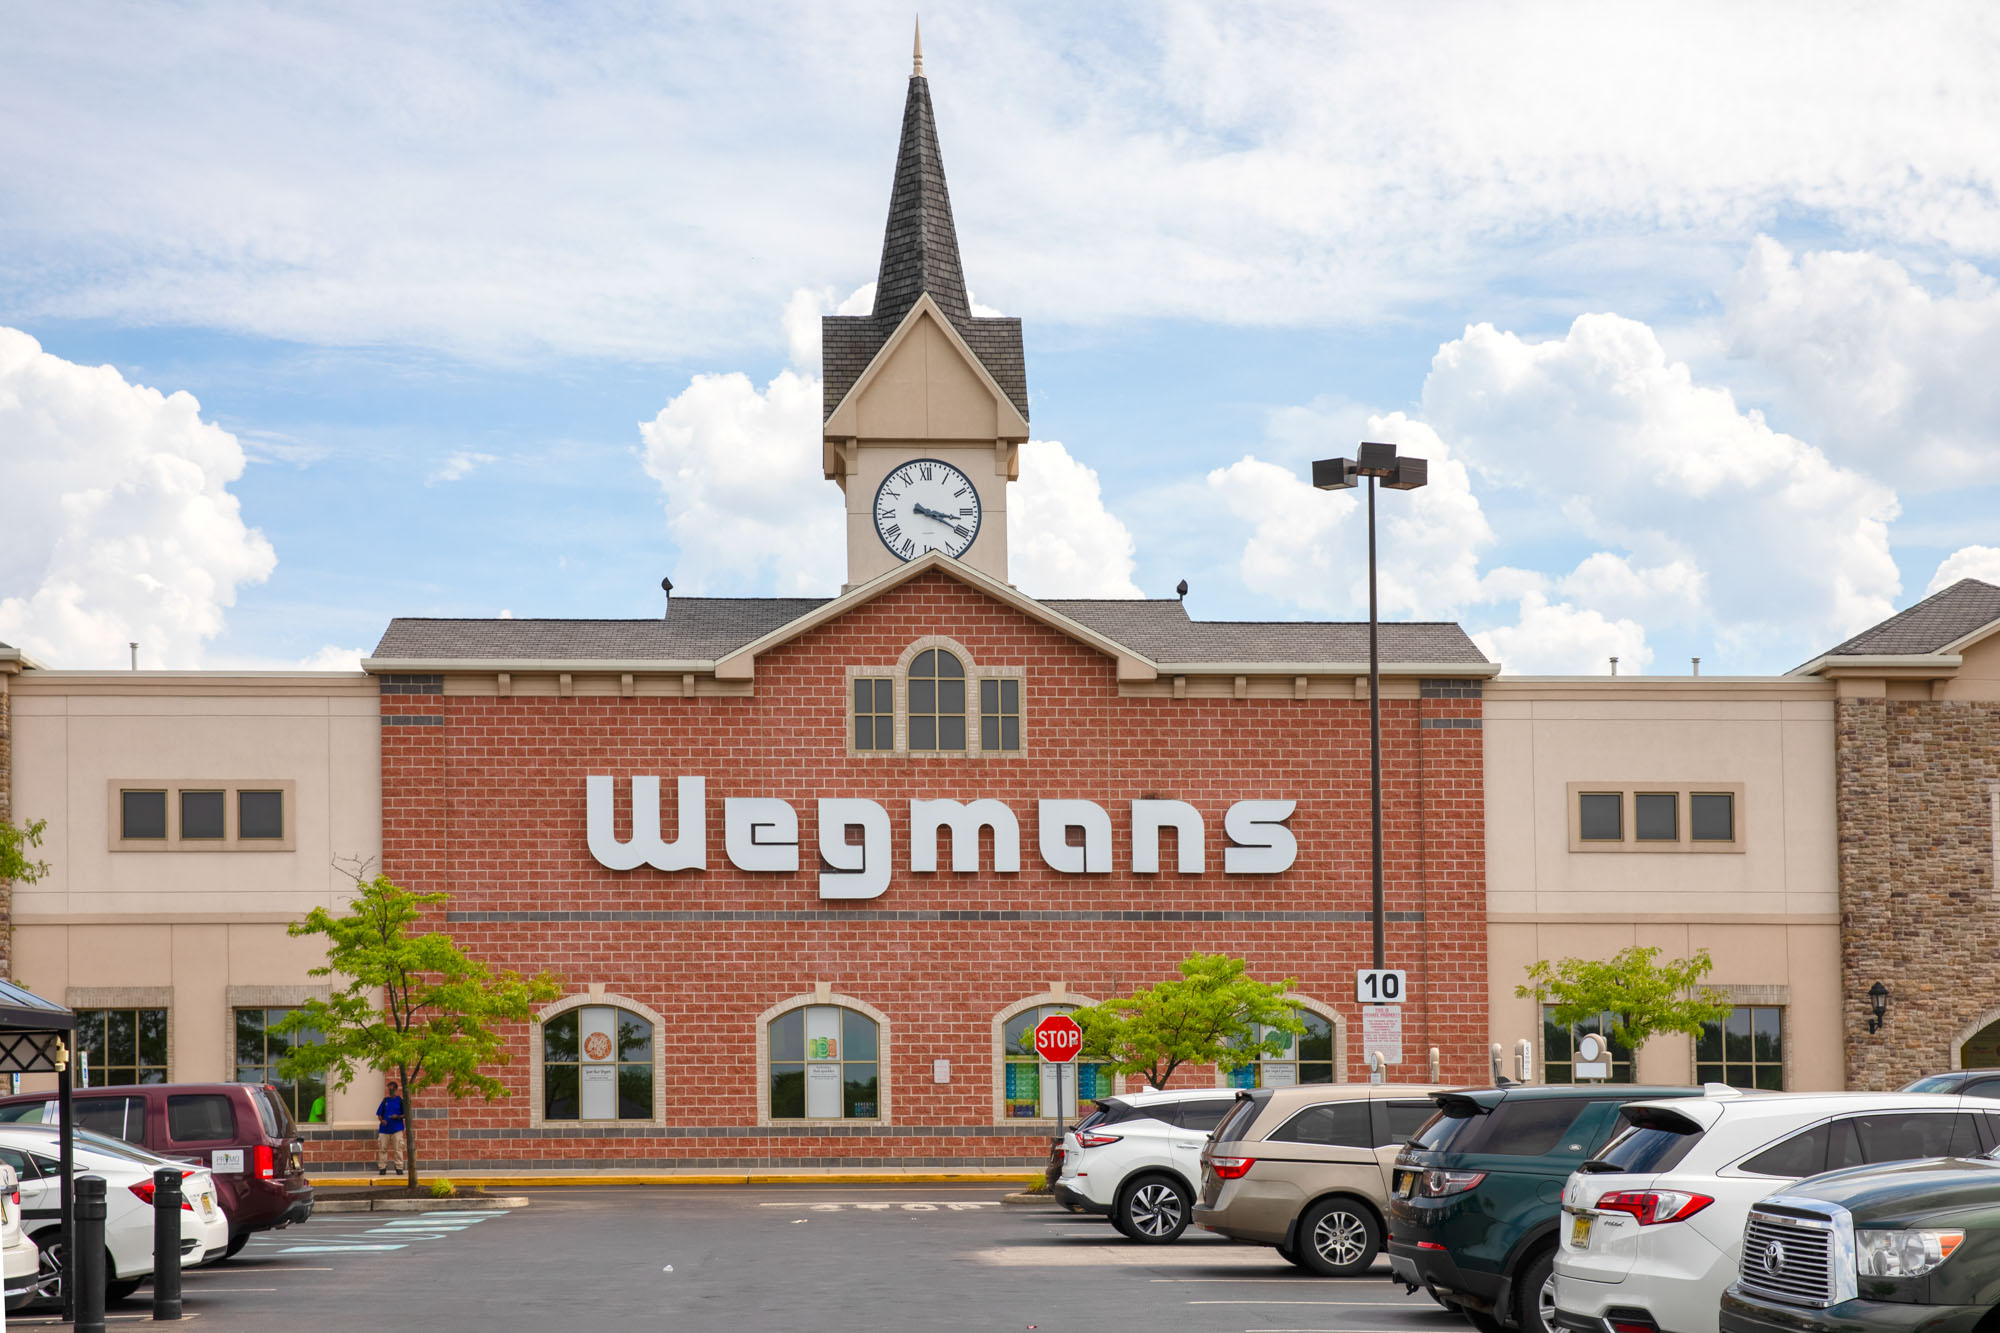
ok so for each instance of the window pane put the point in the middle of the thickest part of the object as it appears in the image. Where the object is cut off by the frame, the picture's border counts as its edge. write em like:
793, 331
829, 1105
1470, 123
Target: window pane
1712, 816
1010, 696
635, 1040
1708, 1046
1018, 1027
145, 814
788, 1038
1770, 1078
864, 732
1901, 1136
1316, 1043
951, 696
925, 665
989, 696
260, 814
864, 696
989, 733
559, 1037
121, 1040
200, 1117
249, 1036
1315, 1073
153, 1037
201, 814
1010, 733
857, 1033
90, 1033
947, 665
857, 1094
1656, 816
1708, 1074
1800, 1155
1555, 1040
1769, 1027
923, 732
951, 732
788, 1091
559, 1092
1599, 817
1736, 1037
635, 1092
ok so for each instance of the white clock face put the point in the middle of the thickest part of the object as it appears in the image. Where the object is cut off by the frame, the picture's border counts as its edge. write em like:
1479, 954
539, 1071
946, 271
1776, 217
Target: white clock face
925, 505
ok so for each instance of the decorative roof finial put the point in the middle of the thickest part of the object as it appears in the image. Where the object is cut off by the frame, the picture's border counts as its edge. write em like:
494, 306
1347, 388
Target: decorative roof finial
917, 52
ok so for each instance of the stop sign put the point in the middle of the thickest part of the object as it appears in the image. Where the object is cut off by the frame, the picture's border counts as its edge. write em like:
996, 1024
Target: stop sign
1058, 1038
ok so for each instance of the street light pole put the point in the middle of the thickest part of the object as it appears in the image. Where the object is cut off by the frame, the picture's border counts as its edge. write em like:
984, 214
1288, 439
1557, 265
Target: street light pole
1375, 461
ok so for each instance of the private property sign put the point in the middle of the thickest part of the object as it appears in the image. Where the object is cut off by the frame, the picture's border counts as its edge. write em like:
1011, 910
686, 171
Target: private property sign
761, 834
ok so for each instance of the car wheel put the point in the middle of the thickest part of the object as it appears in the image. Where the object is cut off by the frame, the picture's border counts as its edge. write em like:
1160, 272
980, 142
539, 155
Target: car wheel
1154, 1210
51, 1269
1537, 1308
236, 1244
1338, 1238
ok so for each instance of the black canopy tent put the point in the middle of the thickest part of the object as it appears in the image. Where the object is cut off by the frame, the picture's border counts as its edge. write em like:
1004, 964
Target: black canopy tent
38, 1036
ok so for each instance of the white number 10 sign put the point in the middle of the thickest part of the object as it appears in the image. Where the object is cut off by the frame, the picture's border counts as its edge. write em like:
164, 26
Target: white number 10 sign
1380, 986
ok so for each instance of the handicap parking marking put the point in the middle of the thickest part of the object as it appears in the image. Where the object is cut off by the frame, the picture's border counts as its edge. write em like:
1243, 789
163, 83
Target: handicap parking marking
393, 1234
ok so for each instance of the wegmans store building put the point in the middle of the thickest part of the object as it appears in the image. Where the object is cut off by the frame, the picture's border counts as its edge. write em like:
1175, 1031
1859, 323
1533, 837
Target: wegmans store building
809, 867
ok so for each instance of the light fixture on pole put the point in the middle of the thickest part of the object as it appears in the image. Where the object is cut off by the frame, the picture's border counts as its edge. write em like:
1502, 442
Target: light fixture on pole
1377, 462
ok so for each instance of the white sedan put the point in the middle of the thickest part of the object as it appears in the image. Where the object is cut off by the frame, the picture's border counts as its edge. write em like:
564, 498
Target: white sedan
34, 1152
1652, 1227
18, 1256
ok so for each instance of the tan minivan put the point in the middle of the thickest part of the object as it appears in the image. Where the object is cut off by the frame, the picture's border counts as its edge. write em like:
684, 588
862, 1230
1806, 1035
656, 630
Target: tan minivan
1307, 1169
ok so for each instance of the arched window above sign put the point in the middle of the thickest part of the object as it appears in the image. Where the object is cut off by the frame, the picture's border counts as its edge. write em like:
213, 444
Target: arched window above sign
596, 1059
936, 693
936, 700
823, 1057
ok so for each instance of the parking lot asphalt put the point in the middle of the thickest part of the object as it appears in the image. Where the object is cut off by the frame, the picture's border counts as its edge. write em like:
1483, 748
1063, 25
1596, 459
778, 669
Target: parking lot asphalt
918, 1257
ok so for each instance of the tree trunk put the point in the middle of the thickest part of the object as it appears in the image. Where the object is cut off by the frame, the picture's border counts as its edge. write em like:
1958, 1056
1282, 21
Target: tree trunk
409, 1128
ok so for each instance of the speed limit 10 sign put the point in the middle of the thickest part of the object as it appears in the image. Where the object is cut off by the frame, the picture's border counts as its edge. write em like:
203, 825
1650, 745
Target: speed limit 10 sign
1381, 985
1058, 1039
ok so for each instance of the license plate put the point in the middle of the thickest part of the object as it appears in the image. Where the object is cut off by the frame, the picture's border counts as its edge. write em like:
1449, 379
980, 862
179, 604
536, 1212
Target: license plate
1579, 1232
207, 1206
1409, 1184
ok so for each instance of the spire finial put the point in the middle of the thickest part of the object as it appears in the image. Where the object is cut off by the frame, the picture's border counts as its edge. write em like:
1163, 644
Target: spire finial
917, 52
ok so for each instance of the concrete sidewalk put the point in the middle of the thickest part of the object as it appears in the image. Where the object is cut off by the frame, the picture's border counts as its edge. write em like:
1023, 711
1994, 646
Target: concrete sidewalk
1001, 1176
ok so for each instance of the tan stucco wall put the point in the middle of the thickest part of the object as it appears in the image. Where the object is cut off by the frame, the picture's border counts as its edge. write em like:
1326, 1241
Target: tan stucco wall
207, 927
1978, 674
1768, 914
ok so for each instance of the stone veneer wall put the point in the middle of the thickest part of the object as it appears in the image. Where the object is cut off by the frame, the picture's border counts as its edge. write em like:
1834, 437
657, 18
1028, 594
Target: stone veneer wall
6, 813
1919, 910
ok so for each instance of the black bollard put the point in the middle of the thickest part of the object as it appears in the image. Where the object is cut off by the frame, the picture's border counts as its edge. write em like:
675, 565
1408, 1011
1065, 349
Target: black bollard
86, 1262
167, 1243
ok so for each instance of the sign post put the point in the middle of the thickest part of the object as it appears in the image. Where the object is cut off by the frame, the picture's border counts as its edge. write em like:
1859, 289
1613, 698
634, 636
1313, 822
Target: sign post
1057, 1040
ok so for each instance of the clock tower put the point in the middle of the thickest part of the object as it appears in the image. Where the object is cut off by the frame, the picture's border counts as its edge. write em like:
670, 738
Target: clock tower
926, 404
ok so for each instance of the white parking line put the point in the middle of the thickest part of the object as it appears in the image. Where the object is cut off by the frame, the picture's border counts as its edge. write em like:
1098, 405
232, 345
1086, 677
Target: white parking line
1385, 1305
868, 1205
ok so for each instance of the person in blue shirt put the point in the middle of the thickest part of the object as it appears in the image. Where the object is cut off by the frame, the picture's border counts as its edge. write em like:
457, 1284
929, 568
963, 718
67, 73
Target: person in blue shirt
389, 1132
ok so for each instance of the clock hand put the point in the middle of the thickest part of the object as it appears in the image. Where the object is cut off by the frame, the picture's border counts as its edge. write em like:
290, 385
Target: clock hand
928, 512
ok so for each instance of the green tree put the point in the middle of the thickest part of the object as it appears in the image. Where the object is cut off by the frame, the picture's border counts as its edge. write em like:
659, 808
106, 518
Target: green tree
413, 1005
1643, 997
1210, 1015
15, 843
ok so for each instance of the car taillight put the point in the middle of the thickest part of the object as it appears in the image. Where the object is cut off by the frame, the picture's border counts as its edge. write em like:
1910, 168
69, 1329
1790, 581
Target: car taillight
1444, 1184
144, 1189
1231, 1168
265, 1168
1654, 1206
1090, 1138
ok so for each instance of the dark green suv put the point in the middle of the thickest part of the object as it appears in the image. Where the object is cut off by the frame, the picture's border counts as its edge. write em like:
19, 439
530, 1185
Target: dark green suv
1909, 1248
1477, 1195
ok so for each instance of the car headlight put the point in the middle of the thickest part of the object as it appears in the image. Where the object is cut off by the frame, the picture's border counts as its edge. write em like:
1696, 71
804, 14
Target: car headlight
1902, 1253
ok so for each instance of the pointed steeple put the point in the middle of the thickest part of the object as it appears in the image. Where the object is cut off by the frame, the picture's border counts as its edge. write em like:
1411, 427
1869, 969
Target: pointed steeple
920, 245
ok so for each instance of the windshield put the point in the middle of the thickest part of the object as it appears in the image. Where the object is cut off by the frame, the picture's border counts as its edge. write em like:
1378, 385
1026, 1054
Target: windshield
1646, 1151
1439, 1131
1935, 1083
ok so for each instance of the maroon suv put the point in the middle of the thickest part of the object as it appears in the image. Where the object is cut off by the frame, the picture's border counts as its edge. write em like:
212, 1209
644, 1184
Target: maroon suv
240, 1131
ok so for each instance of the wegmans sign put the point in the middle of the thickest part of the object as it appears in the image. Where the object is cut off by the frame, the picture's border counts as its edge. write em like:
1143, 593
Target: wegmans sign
761, 833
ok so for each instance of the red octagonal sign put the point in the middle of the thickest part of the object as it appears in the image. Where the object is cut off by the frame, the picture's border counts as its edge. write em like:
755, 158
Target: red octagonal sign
1058, 1038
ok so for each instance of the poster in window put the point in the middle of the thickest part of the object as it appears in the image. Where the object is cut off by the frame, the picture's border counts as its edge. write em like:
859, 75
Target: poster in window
1281, 1075
599, 1093
823, 1092
1023, 1081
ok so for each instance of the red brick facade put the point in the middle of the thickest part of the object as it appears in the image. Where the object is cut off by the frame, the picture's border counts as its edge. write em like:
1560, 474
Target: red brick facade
483, 797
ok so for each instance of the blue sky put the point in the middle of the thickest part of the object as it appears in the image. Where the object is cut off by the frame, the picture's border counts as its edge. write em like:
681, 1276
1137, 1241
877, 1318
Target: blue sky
513, 309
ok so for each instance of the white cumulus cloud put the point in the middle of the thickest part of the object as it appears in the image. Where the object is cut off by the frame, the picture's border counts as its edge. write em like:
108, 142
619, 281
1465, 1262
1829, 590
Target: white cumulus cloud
1061, 540
118, 520
1564, 639
1894, 379
1969, 562
458, 467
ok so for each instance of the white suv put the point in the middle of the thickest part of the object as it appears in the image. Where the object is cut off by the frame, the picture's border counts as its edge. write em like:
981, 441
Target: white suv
1138, 1160
1652, 1227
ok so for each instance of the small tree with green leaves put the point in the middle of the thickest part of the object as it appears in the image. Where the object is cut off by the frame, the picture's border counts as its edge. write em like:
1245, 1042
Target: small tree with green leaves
17, 867
413, 1005
1643, 997
1209, 1015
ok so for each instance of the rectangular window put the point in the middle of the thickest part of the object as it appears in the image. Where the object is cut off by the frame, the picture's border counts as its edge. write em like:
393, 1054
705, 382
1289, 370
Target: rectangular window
260, 814
874, 713
201, 814
144, 815
121, 1046
1000, 714
1559, 1048
1712, 816
1656, 816
259, 1051
200, 1117
1601, 816
1745, 1050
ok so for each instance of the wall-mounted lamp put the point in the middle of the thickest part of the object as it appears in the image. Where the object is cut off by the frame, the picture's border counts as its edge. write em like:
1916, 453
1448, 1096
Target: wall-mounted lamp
1878, 1000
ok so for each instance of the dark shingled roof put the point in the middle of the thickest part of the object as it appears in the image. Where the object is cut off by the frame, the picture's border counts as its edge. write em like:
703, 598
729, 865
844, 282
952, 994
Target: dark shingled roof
919, 255
1942, 618
704, 629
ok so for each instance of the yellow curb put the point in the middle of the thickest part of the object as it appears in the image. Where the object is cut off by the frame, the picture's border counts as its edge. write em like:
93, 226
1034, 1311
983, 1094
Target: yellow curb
749, 1178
